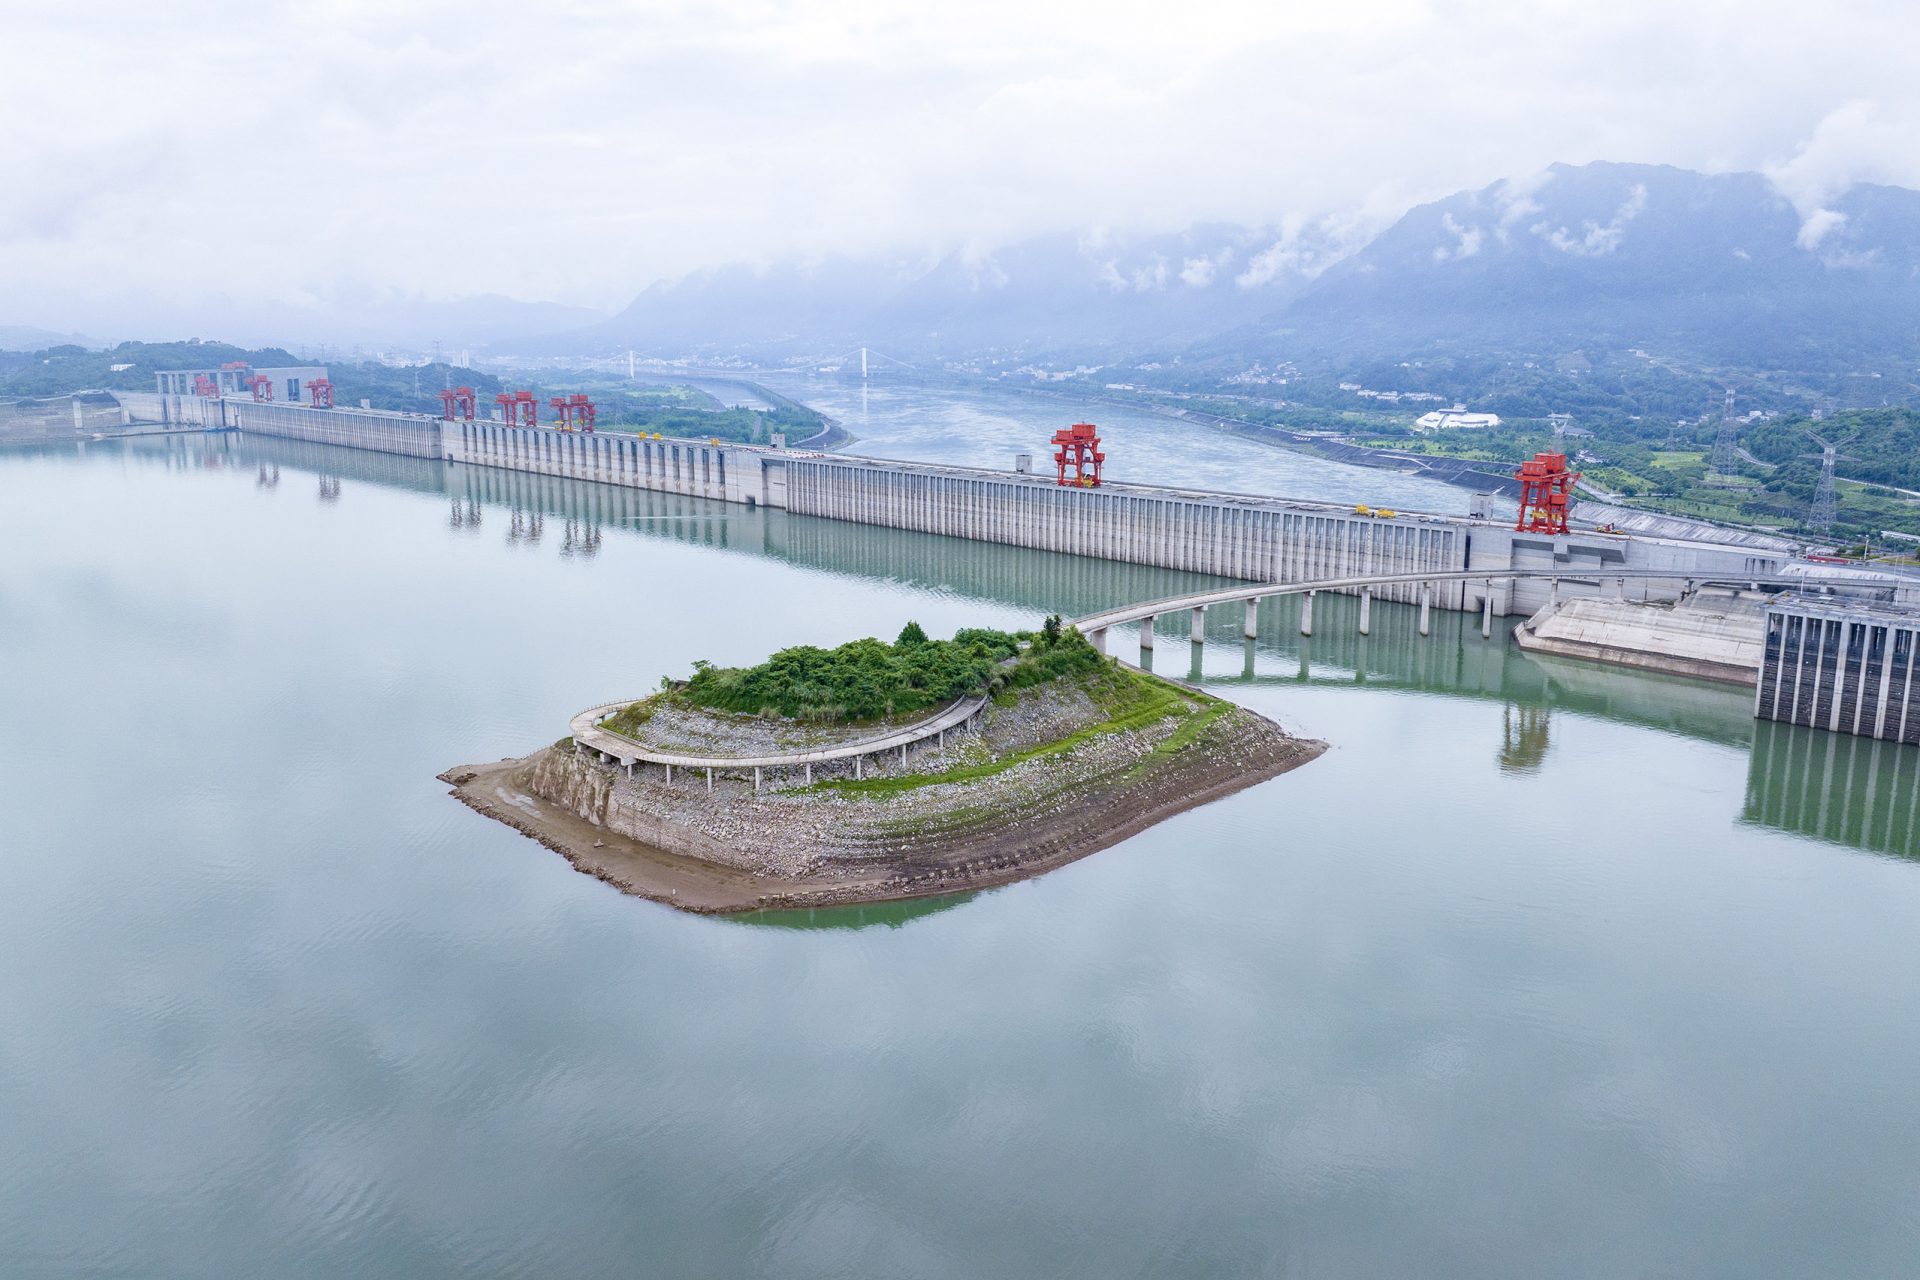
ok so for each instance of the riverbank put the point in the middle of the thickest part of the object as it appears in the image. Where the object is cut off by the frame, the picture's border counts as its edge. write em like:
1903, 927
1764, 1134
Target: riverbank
1052, 775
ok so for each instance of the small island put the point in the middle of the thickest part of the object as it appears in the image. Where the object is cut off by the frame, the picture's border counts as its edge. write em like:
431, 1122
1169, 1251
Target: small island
875, 772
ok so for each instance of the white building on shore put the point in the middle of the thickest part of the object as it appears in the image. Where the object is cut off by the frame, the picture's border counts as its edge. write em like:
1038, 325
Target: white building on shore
1455, 419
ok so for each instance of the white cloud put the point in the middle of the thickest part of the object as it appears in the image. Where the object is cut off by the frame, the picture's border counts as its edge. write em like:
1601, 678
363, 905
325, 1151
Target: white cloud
1597, 239
1855, 142
1466, 240
579, 149
1305, 248
1818, 224
1150, 278
1198, 272
1514, 198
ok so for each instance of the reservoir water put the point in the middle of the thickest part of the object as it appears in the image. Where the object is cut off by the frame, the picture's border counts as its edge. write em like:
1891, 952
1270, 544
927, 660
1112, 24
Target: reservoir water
986, 427
1542, 970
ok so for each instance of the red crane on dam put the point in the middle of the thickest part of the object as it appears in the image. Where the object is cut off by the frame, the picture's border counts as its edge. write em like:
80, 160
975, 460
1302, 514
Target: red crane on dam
518, 408
1546, 493
457, 402
573, 413
1078, 447
320, 391
261, 387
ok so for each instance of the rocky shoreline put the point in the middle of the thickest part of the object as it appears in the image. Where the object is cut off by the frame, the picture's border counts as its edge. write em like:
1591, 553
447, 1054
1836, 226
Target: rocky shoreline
1051, 776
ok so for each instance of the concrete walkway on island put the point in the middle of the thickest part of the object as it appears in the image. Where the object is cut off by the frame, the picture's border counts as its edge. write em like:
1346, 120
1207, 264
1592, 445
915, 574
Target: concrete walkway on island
589, 735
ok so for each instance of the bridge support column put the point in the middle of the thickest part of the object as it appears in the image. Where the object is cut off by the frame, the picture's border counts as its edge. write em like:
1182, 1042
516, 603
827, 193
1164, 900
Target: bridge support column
669, 775
1366, 612
1306, 615
1098, 639
1146, 633
1198, 631
1486, 613
1246, 658
709, 780
1426, 611
809, 773
1250, 627
1553, 592
756, 779
629, 771
903, 755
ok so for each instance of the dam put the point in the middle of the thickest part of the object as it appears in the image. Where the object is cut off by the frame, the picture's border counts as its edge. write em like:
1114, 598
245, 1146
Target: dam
1245, 537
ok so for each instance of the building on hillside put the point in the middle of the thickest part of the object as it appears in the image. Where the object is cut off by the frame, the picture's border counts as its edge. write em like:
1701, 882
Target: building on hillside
1455, 419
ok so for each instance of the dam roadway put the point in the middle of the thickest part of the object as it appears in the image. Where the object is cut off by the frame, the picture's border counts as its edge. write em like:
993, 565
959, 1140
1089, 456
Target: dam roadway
1449, 562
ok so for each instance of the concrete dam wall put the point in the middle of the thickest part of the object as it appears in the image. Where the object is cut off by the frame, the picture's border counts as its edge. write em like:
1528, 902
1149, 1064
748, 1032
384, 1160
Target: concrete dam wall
1250, 537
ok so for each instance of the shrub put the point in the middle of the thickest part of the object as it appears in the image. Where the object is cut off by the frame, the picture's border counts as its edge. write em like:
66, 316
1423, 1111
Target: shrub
860, 680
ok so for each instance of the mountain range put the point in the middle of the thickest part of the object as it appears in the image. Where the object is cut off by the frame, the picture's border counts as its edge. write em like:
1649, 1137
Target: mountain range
1714, 266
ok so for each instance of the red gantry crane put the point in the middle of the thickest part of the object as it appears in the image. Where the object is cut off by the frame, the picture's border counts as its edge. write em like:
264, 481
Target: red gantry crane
518, 408
1546, 493
457, 403
261, 387
1078, 447
572, 413
321, 392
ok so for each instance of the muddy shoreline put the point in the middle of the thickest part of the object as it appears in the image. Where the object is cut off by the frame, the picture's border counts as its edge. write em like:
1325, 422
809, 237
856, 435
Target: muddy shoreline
1014, 842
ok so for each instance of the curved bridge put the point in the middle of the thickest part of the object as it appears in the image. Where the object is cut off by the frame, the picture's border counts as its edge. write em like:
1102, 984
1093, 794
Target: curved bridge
1095, 625
617, 748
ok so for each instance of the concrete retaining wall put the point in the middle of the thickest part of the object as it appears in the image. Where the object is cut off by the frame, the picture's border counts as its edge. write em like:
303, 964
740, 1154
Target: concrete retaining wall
1712, 636
1251, 538
725, 472
412, 434
1242, 536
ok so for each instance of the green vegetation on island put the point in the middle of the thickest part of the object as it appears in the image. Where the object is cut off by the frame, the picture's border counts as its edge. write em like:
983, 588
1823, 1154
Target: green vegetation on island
776, 784
1128, 700
870, 679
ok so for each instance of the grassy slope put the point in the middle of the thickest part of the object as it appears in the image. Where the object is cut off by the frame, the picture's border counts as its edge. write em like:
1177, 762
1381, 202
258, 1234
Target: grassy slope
1131, 699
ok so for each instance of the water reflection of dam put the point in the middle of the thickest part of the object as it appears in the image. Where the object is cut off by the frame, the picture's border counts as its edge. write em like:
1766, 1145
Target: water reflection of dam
1040, 580
1861, 792
1853, 791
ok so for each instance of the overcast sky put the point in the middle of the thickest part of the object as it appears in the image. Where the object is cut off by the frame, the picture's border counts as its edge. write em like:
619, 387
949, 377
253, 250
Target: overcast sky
577, 151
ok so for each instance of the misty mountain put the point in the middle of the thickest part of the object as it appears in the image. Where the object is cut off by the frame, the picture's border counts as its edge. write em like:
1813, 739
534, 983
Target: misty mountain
19, 337
1718, 267
1055, 296
1615, 256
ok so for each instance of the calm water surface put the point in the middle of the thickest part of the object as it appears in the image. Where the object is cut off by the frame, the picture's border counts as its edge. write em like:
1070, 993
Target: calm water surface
1540, 971
987, 427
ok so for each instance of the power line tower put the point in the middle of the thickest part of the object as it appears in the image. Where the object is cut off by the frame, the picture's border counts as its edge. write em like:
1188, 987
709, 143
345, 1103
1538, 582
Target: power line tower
1825, 503
1726, 458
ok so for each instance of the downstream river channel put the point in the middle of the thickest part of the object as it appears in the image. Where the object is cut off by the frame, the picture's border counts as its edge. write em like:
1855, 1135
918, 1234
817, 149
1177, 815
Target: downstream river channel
1543, 970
